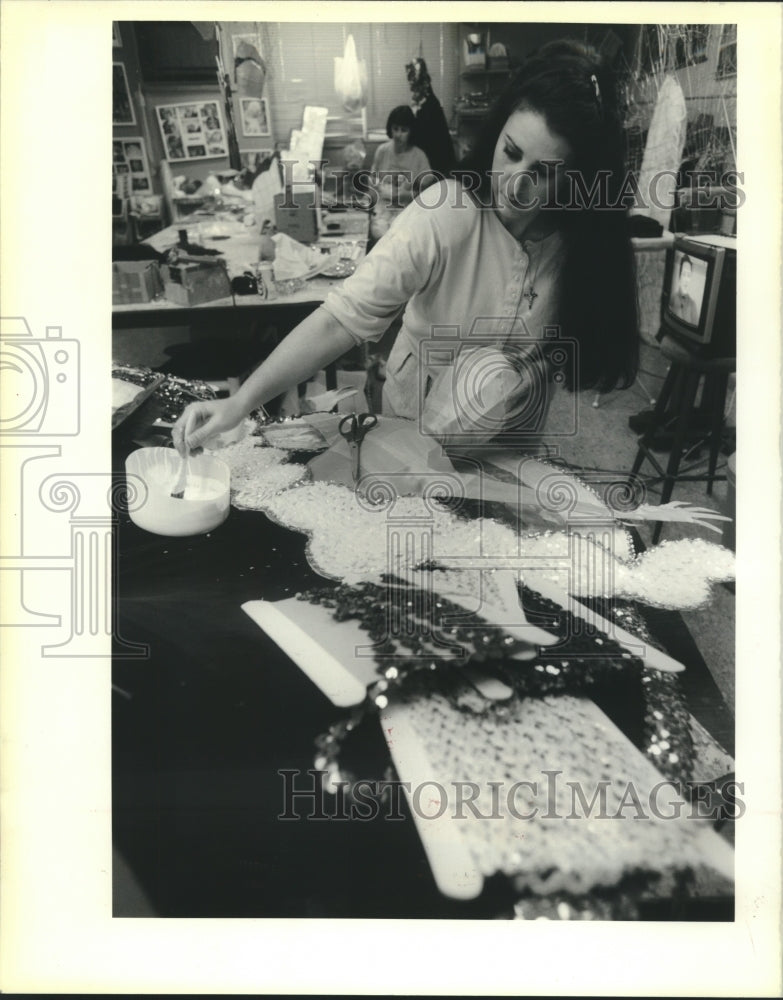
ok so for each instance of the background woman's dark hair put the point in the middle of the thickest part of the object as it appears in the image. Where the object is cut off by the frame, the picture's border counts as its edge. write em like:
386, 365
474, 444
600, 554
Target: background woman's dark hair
566, 82
402, 116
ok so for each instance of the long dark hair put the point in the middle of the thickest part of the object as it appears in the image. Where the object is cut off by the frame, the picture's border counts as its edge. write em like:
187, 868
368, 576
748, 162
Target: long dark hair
566, 82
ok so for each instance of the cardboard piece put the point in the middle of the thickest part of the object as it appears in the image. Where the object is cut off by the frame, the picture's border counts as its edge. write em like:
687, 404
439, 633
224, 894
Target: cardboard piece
134, 281
192, 283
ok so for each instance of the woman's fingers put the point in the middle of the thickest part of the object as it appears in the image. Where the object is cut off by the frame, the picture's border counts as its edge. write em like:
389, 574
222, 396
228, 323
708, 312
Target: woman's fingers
186, 434
200, 427
178, 435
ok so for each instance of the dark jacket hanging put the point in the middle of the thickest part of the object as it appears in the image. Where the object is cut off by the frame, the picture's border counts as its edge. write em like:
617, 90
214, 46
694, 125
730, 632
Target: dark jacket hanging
431, 131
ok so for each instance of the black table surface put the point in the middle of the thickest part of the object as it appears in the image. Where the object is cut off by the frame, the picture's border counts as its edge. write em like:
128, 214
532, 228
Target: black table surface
205, 720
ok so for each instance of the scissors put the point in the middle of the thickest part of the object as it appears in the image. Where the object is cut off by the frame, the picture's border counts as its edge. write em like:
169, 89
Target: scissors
354, 428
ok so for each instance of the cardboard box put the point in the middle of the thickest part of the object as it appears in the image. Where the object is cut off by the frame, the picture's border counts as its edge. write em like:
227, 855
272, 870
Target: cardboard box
193, 282
135, 281
296, 215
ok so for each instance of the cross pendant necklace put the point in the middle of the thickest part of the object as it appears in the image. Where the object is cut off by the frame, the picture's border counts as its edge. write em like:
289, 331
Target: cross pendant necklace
531, 294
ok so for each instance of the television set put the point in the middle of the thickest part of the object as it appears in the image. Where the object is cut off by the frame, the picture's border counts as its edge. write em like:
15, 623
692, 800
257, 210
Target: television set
699, 302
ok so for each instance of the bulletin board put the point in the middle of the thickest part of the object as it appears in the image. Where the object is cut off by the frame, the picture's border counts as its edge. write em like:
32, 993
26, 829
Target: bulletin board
192, 130
129, 157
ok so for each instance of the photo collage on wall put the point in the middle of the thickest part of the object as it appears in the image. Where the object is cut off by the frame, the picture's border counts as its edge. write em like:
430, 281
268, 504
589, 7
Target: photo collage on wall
193, 131
129, 161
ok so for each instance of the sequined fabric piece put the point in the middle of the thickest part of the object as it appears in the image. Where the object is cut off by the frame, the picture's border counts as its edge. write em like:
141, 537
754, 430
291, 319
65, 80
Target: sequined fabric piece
545, 749
258, 473
353, 538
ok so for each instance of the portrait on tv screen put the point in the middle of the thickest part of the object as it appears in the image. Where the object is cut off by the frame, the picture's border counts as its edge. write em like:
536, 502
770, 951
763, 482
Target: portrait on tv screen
689, 277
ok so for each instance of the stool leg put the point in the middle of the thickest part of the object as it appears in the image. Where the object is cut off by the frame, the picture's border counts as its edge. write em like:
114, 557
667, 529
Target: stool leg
718, 403
656, 420
689, 389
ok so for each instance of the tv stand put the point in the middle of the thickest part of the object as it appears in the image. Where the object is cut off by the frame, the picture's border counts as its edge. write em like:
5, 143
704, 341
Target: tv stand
683, 420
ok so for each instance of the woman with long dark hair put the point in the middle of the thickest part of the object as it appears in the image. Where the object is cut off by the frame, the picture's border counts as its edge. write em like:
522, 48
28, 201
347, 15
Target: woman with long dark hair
515, 274
566, 83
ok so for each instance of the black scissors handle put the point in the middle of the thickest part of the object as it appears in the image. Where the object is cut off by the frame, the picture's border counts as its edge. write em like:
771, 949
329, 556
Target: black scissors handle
355, 427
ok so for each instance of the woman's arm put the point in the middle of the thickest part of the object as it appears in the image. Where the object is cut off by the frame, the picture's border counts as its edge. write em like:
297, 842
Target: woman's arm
317, 341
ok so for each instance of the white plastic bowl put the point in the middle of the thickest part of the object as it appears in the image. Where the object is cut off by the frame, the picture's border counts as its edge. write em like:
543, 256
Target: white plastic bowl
204, 506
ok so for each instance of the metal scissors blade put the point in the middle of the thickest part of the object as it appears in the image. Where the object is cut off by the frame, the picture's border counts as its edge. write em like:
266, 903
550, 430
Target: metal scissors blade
354, 428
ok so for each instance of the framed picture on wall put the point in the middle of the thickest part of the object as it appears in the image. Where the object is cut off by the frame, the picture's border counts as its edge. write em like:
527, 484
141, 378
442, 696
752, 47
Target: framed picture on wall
254, 115
122, 105
129, 156
192, 131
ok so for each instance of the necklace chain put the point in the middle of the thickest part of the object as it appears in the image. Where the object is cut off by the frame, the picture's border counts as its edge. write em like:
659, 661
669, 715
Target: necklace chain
531, 294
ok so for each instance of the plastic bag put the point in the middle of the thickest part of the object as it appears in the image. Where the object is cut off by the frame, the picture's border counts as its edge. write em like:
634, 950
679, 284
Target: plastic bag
350, 77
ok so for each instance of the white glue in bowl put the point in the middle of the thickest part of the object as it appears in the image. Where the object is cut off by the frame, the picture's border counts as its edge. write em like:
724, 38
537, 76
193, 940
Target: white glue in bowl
152, 475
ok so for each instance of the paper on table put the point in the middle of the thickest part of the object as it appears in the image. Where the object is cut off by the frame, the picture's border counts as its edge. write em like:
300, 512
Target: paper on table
393, 455
308, 142
297, 163
294, 259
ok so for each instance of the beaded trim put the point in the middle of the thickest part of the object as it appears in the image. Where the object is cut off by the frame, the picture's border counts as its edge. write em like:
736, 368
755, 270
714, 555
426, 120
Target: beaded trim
569, 670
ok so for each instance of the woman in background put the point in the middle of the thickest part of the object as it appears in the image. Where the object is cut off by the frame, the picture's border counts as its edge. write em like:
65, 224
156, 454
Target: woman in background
521, 279
400, 157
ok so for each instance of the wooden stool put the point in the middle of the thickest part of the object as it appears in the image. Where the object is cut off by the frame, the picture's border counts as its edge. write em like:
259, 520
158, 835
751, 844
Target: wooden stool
680, 388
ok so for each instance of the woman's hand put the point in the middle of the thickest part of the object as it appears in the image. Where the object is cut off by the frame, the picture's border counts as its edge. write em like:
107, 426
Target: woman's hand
316, 342
201, 421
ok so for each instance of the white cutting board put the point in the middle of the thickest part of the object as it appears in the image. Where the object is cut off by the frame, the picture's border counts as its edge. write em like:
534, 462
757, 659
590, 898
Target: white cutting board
340, 663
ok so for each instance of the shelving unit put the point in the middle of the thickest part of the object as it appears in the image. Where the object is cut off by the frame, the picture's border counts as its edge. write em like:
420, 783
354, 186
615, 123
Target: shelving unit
475, 82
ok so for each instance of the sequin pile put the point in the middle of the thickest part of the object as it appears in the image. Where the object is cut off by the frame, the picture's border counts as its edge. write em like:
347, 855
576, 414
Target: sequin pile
353, 539
258, 473
676, 574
